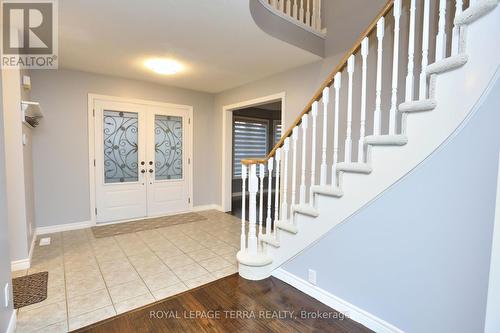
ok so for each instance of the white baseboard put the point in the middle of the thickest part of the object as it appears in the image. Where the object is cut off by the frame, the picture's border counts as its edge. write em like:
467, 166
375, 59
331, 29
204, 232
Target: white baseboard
18, 265
12, 323
63, 227
358, 315
207, 207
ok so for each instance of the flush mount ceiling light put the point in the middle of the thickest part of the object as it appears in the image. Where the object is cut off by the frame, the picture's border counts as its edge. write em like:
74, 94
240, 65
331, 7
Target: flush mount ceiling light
163, 66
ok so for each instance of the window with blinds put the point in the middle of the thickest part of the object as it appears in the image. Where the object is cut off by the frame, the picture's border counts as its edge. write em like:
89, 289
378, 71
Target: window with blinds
250, 140
277, 131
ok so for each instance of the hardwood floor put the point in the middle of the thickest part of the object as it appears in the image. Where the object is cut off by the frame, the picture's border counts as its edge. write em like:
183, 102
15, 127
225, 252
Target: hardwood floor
233, 304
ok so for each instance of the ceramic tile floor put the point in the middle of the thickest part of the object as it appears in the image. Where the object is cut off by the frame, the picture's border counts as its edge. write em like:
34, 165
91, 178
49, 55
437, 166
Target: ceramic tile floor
93, 279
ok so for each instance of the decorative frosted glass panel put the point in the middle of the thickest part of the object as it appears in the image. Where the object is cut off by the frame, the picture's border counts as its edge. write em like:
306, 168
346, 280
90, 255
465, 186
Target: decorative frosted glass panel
168, 147
120, 147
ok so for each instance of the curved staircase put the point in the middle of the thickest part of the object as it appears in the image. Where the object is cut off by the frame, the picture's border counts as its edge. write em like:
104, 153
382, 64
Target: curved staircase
316, 187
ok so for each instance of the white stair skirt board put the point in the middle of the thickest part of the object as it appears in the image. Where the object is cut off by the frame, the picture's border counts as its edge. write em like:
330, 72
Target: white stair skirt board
418, 106
386, 140
351, 311
473, 13
354, 167
425, 132
327, 190
12, 323
269, 239
305, 210
447, 64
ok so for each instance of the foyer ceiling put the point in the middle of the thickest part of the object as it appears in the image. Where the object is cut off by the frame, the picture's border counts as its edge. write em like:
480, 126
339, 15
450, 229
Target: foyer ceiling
217, 41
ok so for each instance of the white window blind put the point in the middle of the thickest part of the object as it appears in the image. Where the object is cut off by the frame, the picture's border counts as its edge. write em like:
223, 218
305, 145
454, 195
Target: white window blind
277, 131
250, 140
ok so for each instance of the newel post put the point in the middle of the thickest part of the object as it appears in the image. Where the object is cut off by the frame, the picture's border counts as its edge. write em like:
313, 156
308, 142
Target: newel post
243, 206
253, 185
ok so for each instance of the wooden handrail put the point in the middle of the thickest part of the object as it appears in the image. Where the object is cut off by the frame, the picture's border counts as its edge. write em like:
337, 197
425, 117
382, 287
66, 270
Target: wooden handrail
327, 83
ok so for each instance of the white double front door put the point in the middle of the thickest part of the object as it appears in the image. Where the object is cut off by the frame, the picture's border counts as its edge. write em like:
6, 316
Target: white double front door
142, 160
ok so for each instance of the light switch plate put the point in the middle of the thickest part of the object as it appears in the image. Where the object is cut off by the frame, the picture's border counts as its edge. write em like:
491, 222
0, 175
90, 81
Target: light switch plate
45, 241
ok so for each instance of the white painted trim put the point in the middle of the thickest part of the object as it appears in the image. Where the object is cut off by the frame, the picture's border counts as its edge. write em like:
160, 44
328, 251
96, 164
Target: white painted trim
492, 321
18, 265
227, 143
91, 135
12, 323
87, 224
353, 312
207, 207
321, 34
63, 227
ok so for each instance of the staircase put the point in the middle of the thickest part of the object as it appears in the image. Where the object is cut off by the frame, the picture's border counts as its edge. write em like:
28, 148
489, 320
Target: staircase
356, 137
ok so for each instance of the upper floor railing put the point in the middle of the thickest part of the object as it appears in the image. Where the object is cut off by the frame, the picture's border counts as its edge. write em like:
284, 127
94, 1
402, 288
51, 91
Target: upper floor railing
305, 13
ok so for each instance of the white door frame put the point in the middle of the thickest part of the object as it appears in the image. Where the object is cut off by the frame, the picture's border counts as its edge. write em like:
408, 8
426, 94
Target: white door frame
91, 134
227, 140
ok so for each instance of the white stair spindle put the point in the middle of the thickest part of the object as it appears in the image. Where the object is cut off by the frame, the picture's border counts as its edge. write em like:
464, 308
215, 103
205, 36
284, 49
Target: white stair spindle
441, 36
308, 13
425, 52
337, 85
314, 116
295, 10
253, 184
281, 5
314, 14
274, 4
395, 69
243, 207
411, 51
289, 7
318, 20
295, 135
284, 202
302, 194
270, 167
262, 174
378, 100
455, 39
348, 139
301, 11
362, 125
326, 99
277, 190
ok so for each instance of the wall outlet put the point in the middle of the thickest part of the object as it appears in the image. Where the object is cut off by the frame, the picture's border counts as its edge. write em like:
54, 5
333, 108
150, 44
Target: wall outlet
45, 241
6, 295
312, 276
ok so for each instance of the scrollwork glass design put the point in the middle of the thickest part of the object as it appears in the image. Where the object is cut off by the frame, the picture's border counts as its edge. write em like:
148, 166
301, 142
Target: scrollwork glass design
168, 147
120, 147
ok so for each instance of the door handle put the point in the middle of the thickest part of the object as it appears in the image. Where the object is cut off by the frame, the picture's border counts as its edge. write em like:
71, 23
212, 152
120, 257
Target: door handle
142, 163
150, 162
143, 171
151, 170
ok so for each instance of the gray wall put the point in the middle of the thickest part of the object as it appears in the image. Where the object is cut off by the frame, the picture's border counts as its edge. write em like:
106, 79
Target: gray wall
14, 165
28, 170
419, 256
60, 143
5, 277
